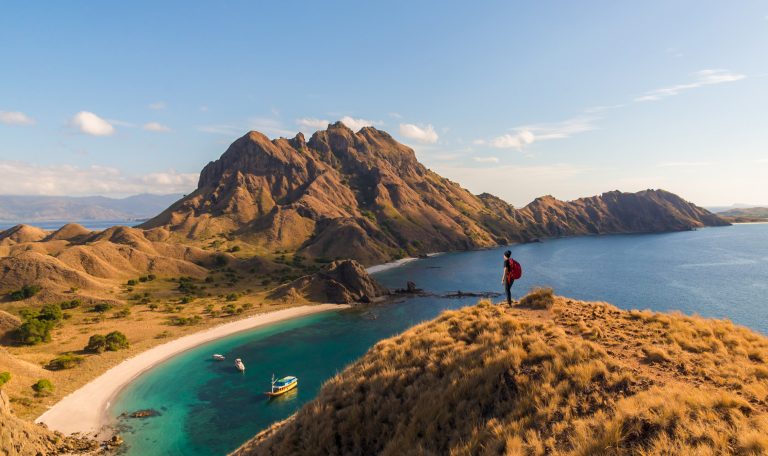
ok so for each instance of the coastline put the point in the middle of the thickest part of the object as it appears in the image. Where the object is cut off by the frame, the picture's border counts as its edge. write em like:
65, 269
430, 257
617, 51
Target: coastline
84, 410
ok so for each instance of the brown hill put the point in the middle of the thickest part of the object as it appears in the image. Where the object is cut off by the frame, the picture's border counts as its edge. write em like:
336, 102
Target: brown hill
341, 282
69, 232
365, 196
577, 379
21, 233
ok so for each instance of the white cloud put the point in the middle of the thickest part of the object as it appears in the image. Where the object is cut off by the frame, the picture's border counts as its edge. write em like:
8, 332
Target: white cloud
701, 79
15, 118
91, 124
486, 159
310, 123
22, 178
357, 124
395, 115
527, 134
158, 105
425, 134
156, 127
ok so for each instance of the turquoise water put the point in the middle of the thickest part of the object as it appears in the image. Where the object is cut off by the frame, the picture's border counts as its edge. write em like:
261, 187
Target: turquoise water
208, 408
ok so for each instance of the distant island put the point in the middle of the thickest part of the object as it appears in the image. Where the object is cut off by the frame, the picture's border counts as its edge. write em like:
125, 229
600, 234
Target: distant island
745, 215
34, 208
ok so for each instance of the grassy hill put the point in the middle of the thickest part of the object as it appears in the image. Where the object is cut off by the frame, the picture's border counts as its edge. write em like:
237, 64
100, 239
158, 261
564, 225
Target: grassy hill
741, 215
550, 376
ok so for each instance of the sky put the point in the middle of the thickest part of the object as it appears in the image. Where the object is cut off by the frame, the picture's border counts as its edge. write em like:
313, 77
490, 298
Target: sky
519, 99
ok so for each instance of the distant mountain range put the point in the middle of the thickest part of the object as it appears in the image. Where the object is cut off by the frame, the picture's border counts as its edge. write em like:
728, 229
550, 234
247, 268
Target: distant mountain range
28, 208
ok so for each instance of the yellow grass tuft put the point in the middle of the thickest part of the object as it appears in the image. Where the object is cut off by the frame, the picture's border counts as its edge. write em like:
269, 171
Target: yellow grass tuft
538, 298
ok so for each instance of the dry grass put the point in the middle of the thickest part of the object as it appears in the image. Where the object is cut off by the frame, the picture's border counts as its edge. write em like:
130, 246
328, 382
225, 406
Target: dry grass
539, 298
584, 379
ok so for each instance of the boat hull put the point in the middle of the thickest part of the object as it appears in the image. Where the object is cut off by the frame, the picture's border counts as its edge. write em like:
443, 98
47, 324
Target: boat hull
283, 390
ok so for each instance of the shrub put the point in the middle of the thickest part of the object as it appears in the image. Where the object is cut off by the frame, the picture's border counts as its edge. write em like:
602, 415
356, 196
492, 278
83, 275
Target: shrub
25, 292
43, 387
153, 306
229, 309
35, 331
232, 297
122, 313
186, 300
4, 378
96, 344
116, 341
151, 277
132, 283
50, 312
143, 279
66, 305
538, 298
235, 249
65, 361
185, 321
220, 261
101, 307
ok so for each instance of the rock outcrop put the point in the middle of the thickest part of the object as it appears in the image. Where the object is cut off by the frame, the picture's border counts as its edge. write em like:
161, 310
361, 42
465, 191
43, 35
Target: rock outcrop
365, 196
22, 438
341, 282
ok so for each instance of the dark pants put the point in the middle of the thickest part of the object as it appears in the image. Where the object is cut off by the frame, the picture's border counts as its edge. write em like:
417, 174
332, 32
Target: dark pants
508, 288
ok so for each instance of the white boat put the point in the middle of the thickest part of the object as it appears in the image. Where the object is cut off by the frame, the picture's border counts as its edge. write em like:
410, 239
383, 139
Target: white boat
219, 357
239, 365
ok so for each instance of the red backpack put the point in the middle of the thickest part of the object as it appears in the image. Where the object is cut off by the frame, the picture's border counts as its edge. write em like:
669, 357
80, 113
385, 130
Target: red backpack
514, 271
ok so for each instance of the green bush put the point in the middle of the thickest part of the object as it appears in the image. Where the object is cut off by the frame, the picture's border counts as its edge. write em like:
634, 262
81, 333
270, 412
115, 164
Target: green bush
50, 312
25, 292
96, 344
4, 378
235, 249
151, 277
116, 341
43, 387
65, 361
185, 321
66, 305
101, 307
35, 331
132, 283
153, 306
232, 297
122, 313
220, 261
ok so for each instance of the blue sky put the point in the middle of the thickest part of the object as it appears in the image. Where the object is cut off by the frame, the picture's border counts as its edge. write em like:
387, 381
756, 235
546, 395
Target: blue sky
519, 99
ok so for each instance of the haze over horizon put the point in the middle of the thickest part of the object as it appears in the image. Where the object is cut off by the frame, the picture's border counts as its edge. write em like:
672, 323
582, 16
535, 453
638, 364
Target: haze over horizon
519, 100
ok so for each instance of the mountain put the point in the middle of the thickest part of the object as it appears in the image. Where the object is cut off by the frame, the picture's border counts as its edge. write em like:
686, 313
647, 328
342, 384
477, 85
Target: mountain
45, 208
549, 376
365, 196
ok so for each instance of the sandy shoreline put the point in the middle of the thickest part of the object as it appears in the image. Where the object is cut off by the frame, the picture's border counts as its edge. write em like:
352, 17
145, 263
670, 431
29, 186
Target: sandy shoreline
84, 410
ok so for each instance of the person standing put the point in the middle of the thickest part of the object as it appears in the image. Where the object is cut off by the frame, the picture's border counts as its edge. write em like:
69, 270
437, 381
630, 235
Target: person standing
508, 278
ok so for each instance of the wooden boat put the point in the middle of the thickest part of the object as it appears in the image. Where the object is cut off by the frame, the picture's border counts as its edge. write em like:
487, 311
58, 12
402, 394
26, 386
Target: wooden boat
239, 365
282, 386
219, 357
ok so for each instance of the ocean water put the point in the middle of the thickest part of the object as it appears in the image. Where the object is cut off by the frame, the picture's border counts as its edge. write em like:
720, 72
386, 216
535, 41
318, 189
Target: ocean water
208, 408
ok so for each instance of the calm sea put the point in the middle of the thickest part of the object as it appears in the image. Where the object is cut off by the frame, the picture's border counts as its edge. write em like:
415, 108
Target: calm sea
208, 408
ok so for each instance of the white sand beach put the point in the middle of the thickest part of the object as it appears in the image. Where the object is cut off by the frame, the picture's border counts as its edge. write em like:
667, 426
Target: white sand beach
84, 410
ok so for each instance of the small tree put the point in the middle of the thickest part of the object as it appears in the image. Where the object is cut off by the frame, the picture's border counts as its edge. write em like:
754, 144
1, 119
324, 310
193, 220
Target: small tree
116, 341
50, 312
4, 378
102, 307
96, 344
43, 387
25, 292
66, 305
153, 306
65, 361
35, 331
132, 283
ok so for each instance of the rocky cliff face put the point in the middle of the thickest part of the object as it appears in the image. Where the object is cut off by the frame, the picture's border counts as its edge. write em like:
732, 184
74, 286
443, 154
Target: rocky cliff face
341, 282
365, 196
